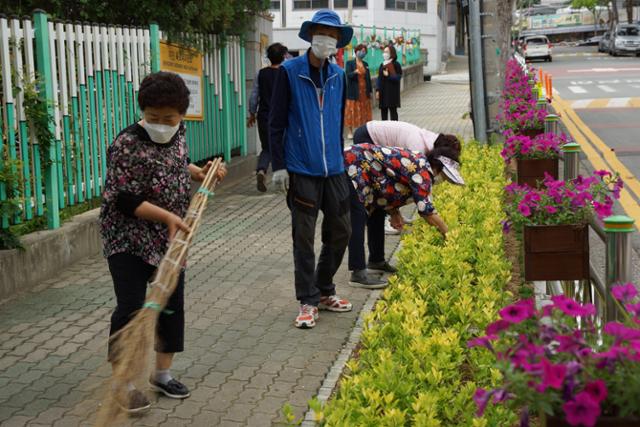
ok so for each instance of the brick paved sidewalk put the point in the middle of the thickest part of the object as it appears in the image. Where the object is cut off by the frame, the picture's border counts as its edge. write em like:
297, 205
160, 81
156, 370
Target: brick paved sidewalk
243, 359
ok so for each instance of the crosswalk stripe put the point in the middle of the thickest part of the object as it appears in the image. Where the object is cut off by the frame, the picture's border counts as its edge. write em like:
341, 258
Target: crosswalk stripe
599, 103
618, 102
582, 103
622, 102
577, 89
606, 88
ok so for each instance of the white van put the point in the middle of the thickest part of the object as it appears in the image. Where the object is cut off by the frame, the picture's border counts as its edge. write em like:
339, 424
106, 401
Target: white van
536, 47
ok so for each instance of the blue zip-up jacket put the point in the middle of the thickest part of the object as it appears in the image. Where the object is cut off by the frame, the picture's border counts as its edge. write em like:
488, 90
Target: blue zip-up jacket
305, 121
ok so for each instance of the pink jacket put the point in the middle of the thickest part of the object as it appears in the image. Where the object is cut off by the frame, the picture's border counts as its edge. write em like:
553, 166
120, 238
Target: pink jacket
402, 135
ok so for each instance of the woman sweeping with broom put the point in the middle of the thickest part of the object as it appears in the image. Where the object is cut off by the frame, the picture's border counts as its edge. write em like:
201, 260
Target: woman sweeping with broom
146, 195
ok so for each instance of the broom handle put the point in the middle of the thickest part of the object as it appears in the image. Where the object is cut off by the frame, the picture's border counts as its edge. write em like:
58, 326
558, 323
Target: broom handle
182, 240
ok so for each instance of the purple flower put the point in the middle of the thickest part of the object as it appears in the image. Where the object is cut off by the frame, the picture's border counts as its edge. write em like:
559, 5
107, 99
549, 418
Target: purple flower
552, 375
482, 342
506, 226
621, 331
571, 307
497, 327
551, 209
582, 411
624, 293
524, 209
481, 398
597, 390
568, 343
602, 173
633, 308
518, 312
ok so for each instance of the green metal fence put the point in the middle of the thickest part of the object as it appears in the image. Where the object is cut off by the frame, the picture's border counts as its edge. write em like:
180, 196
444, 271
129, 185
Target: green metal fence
86, 79
406, 42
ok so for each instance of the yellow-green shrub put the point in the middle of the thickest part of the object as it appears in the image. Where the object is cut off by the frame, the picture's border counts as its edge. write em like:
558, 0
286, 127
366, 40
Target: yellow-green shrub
414, 367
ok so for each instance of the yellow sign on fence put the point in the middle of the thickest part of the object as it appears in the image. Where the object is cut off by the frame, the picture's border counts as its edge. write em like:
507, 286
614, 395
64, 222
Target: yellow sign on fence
187, 63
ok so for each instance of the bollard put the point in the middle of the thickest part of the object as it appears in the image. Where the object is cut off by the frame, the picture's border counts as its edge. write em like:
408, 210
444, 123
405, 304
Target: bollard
542, 103
619, 269
551, 123
571, 152
531, 82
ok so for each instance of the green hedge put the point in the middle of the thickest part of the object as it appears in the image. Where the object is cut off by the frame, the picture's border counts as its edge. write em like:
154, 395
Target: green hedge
414, 367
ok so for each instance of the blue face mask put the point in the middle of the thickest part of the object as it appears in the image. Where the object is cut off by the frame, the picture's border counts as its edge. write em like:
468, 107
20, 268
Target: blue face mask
361, 54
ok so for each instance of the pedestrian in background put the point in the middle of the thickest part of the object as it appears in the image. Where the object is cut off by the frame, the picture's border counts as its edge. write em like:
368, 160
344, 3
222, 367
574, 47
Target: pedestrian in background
388, 84
359, 91
146, 195
305, 131
259, 106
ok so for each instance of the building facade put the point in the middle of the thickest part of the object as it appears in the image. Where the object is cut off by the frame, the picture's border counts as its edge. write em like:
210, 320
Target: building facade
429, 17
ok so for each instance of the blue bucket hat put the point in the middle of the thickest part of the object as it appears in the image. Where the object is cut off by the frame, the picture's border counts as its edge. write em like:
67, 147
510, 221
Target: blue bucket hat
330, 19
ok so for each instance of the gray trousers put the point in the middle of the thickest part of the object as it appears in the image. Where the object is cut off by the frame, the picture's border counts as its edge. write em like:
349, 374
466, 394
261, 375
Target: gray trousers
308, 195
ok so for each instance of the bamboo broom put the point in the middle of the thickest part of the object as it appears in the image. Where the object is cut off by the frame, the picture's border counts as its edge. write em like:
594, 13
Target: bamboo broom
132, 345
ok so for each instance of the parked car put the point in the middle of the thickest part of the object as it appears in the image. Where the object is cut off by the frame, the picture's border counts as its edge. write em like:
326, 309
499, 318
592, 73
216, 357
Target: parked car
605, 42
593, 41
626, 39
536, 47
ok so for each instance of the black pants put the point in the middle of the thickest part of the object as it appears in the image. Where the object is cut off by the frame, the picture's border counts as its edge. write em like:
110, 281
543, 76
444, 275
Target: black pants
130, 276
362, 136
308, 195
384, 113
264, 159
375, 234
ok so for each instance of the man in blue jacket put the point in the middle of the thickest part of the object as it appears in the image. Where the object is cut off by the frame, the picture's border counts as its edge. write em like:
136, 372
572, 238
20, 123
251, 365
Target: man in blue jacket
305, 133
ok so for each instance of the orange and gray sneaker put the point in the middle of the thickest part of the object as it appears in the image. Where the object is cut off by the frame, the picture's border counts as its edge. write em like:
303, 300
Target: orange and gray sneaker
307, 316
334, 303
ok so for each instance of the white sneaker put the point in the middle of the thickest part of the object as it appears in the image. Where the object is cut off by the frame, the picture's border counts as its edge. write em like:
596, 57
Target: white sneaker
307, 316
388, 229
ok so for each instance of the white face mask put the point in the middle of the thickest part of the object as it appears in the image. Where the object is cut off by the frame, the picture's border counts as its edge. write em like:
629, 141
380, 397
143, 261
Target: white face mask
386, 56
161, 134
323, 46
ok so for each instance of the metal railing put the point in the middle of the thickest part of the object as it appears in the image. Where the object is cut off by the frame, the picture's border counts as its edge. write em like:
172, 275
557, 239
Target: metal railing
614, 231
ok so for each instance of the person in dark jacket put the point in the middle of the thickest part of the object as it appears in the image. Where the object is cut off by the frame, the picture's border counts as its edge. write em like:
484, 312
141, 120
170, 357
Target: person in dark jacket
358, 108
388, 84
259, 108
305, 133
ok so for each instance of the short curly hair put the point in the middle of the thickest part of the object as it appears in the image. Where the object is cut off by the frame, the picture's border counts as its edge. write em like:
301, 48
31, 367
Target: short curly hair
164, 89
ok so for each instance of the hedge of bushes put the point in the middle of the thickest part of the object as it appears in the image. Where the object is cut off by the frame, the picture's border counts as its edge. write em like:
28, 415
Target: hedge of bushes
414, 366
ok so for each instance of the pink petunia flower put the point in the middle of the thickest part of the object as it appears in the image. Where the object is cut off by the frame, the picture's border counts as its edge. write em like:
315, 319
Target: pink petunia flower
582, 410
597, 390
481, 397
621, 331
497, 327
482, 342
552, 375
518, 312
624, 293
524, 209
571, 307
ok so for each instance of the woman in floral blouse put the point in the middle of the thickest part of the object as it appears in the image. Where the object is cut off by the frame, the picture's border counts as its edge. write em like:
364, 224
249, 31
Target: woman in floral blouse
146, 195
384, 179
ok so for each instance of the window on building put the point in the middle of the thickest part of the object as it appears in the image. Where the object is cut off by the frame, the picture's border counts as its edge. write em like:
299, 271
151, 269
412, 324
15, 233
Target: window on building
410, 5
343, 4
274, 5
310, 4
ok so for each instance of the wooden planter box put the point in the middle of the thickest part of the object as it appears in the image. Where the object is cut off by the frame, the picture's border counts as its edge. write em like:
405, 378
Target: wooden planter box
556, 252
531, 172
602, 422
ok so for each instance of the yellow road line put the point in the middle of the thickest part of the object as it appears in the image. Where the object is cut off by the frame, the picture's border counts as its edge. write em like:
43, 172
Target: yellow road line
583, 136
635, 102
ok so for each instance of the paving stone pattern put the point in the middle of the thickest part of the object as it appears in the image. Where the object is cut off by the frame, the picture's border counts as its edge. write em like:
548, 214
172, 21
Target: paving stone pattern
244, 359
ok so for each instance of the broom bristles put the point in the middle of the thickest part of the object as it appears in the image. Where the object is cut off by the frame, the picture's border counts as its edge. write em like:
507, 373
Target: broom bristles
132, 345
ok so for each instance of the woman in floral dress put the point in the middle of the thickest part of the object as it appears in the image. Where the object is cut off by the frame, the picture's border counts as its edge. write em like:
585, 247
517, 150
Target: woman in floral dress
146, 195
385, 179
359, 90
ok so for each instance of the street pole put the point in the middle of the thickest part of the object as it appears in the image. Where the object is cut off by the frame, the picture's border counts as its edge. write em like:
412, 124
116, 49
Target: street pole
476, 72
350, 11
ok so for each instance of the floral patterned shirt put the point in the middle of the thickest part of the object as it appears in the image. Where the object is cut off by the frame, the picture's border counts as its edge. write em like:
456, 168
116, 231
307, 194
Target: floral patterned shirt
389, 177
144, 170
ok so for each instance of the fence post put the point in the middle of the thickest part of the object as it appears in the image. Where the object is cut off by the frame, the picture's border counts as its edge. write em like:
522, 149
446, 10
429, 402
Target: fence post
571, 152
154, 35
43, 68
619, 268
